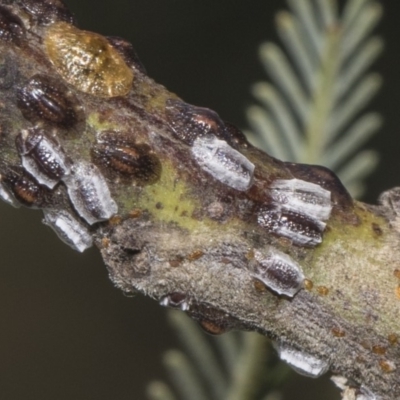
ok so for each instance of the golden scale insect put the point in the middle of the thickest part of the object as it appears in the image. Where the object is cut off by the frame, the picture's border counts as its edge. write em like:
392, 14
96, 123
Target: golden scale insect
87, 61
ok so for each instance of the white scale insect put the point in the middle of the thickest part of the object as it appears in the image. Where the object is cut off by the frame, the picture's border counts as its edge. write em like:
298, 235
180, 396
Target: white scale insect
222, 162
298, 211
303, 197
68, 229
302, 362
42, 157
89, 193
279, 272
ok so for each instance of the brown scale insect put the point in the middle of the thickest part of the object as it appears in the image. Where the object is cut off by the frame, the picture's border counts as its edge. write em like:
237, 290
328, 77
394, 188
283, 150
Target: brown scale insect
46, 12
128, 160
211, 327
189, 122
87, 61
11, 27
236, 136
212, 320
24, 188
322, 290
43, 99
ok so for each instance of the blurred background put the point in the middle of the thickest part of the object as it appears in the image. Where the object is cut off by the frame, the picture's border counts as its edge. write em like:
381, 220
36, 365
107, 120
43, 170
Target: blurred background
67, 333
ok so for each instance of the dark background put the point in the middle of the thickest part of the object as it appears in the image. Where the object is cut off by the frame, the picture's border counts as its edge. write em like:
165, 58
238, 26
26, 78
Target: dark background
66, 333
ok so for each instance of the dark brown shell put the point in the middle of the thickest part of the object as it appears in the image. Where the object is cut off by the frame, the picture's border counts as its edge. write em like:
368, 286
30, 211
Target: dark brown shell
43, 99
128, 160
11, 27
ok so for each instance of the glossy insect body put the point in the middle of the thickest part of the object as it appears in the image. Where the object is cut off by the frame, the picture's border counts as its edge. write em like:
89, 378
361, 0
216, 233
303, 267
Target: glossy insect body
128, 160
278, 272
300, 229
302, 197
24, 188
87, 61
223, 162
42, 157
68, 229
189, 122
302, 362
43, 99
89, 193
298, 211
11, 26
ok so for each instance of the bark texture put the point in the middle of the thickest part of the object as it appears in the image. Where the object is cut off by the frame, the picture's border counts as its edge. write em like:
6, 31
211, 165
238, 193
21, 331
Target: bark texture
185, 234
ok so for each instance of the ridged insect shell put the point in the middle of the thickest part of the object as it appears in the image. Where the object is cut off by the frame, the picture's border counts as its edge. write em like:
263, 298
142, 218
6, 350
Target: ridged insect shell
42, 157
189, 122
70, 230
121, 156
87, 61
302, 362
24, 188
223, 162
298, 211
299, 228
278, 271
89, 193
44, 99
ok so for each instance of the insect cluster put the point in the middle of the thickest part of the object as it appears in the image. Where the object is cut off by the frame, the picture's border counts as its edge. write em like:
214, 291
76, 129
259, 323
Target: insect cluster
212, 143
91, 64
94, 65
